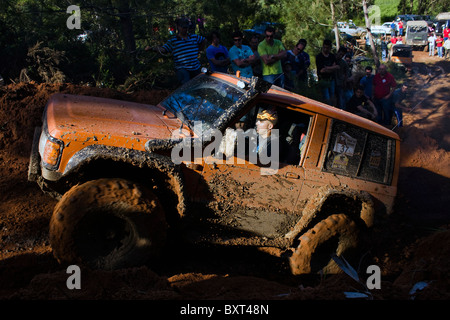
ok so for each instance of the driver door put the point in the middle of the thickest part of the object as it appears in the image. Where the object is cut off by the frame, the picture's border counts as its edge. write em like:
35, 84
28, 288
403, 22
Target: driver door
254, 198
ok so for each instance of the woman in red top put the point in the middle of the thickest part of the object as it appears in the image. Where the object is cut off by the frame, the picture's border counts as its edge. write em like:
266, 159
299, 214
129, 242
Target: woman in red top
446, 33
439, 43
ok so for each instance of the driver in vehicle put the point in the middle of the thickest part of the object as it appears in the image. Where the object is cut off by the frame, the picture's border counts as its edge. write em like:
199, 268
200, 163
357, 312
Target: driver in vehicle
266, 121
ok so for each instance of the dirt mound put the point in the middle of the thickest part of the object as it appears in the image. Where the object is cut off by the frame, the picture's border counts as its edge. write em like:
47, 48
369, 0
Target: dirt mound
412, 246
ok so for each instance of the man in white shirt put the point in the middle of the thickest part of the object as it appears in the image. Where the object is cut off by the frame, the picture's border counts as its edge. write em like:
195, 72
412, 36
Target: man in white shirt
431, 43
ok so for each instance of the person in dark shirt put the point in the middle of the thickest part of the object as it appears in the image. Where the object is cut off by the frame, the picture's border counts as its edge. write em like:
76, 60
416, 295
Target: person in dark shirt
398, 98
326, 72
361, 105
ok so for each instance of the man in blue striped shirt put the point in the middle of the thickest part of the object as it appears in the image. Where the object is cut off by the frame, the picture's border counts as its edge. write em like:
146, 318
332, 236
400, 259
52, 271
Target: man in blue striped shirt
185, 48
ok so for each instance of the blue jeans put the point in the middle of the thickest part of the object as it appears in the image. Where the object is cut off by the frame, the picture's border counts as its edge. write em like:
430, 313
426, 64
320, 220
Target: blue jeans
328, 90
184, 75
276, 79
399, 115
385, 110
440, 52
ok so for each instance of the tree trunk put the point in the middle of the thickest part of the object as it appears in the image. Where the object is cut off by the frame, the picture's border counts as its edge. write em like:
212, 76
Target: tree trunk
127, 26
336, 31
372, 44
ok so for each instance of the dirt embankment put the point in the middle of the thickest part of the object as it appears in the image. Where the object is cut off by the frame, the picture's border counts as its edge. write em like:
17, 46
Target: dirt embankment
412, 246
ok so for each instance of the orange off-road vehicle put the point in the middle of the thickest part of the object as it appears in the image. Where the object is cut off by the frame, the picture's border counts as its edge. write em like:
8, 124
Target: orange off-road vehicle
126, 174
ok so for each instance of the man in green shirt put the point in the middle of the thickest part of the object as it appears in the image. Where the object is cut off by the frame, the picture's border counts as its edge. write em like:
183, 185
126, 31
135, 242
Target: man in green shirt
272, 52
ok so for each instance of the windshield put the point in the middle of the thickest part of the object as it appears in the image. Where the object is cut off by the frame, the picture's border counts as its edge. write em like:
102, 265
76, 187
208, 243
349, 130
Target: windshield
202, 100
417, 29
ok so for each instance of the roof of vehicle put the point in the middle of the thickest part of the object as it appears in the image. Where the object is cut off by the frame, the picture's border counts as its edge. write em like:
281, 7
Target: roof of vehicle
324, 109
417, 23
443, 16
403, 46
302, 102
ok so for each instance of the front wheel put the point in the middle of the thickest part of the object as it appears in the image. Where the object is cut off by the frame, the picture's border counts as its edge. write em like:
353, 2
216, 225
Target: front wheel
107, 224
336, 234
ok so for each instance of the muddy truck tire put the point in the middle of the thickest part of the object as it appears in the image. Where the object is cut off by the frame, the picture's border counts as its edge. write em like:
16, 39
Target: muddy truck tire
336, 234
107, 224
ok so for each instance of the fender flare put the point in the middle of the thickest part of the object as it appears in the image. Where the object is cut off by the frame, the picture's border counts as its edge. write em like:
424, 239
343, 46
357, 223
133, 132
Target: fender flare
135, 158
314, 206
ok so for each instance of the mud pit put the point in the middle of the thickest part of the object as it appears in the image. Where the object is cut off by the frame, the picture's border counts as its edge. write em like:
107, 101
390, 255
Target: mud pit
412, 245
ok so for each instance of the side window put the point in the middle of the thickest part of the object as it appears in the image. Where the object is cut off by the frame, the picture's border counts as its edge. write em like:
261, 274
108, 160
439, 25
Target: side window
345, 149
358, 153
287, 135
377, 163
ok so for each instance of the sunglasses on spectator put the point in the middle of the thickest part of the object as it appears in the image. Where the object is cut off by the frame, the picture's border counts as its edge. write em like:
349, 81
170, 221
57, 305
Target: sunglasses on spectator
238, 39
269, 36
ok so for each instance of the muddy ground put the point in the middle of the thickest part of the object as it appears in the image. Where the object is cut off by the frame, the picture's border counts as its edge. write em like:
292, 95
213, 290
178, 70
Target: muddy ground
412, 245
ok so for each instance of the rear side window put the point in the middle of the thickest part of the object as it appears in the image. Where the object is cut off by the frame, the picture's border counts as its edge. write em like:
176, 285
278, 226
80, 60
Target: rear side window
358, 153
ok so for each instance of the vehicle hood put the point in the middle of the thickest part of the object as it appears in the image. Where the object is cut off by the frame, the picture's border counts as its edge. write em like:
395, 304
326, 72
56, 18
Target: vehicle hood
74, 117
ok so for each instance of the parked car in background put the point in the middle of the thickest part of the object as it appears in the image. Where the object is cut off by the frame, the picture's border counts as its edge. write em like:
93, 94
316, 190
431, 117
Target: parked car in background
351, 29
378, 35
417, 33
442, 20
386, 27
402, 55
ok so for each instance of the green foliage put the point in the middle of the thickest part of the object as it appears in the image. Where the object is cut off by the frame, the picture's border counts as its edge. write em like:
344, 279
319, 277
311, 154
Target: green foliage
117, 31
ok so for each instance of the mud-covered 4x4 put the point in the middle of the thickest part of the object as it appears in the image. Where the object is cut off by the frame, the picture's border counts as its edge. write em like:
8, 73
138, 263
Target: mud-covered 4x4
126, 174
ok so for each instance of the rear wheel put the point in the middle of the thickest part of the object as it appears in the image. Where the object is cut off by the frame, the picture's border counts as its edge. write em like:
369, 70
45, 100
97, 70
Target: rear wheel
107, 224
337, 234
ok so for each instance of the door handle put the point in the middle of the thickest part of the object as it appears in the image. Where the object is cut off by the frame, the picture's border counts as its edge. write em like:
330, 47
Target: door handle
292, 175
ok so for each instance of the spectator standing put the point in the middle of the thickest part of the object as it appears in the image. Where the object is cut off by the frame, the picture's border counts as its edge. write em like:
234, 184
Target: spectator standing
367, 82
300, 62
201, 23
383, 87
384, 49
185, 48
241, 56
393, 27
439, 46
446, 32
257, 64
217, 54
400, 28
289, 76
431, 44
447, 48
342, 78
272, 52
397, 100
326, 72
